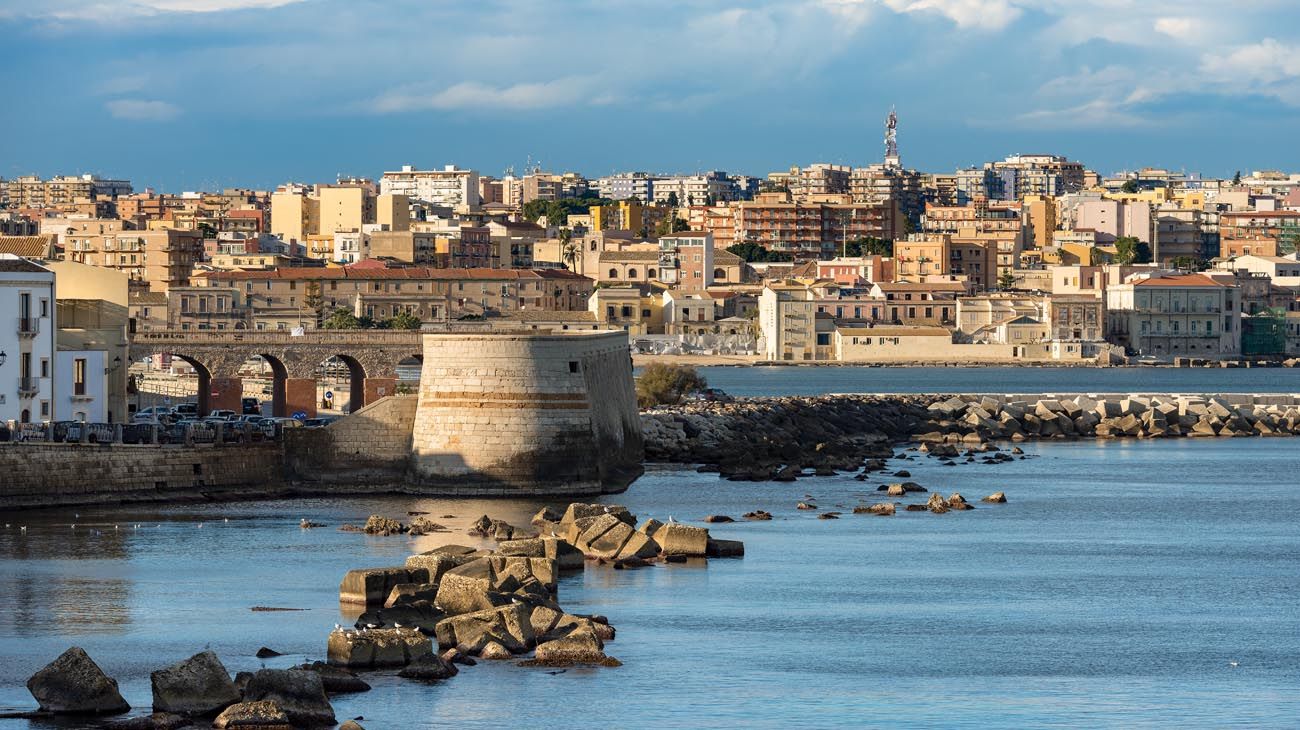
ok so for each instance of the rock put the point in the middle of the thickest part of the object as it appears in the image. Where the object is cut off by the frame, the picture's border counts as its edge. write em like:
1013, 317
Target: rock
299, 693
266, 653
336, 680
486, 582
436, 563
430, 668
805, 506
903, 473
579, 647
425, 526
508, 625
895, 490
996, 497
351, 725
493, 651
307, 524
421, 614
198, 686
611, 538
74, 684
918, 507
714, 519
937, 504
726, 549
372, 648
380, 525
371, 586
545, 514
883, 509
263, 714
829, 516
758, 515
958, 502
1017, 450
404, 593
577, 511
677, 539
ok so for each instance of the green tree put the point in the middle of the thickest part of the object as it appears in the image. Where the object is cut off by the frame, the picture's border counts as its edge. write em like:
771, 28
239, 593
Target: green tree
402, 321
1188, 263
754, 253
1006, 280
661, 384
207, 229
869, 246
1129, 186
670, 225
341, 319
314, 302
1236, 178
1129, 250
672, 199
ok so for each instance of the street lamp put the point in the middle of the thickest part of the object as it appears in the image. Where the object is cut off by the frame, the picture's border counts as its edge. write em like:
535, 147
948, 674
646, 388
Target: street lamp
3, 357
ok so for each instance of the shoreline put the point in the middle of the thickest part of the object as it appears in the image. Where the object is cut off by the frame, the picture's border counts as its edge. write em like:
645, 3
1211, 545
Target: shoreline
740, 361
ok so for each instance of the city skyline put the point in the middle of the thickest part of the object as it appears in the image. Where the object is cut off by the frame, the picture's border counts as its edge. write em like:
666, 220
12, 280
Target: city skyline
202, 94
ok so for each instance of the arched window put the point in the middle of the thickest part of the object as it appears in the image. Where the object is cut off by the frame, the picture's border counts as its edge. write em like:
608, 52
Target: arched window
613, 273
631, 273
719, 274
651, 273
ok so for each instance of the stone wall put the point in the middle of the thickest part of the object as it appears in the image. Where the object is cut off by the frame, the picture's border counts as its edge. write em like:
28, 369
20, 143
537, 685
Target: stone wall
46, 475
529, 413
370, 446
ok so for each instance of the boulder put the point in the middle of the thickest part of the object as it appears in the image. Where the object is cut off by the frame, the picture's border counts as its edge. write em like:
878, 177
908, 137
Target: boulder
198, 686
404, 593
430, 668
579, 647
545, 515
156, 721
508, 625
380, 525
677, 539
351, 725
806, 506
577, 511
958, 502
372, 648
421, 614
937, 504
425, 526
371, 586
262, 714
996, 498
486, 582
895, 490
300, 694
74, 684
758, 515
883, 509
714, 519
436, 563
726, 548
493, 651
336, 680
610, 538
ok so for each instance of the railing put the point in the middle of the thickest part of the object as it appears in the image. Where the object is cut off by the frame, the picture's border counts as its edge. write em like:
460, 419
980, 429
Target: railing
79, 432
29, 386
28, 326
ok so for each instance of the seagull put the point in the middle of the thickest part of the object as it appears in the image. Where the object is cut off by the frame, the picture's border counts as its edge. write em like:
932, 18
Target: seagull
73, 525
22, 528
114, 527
372, 626
338, 627
670, 518
1232, 664
607, 510
396, 625
227, 519
200, 525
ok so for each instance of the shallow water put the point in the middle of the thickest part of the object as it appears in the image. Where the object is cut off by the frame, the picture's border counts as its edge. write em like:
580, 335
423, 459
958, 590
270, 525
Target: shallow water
1112, 590
781, 380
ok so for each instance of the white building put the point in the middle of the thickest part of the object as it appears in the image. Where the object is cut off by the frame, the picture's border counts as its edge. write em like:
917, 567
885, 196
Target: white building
27, 337
450, 186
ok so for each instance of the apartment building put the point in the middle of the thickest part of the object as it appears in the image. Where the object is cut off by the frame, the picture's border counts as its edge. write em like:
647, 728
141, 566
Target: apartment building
1175, 315
451, 186
1048, 175
27, 340
157, 259
624, 185
787, 319
14, 224
30, 191
1259, 233
880, 183
805, 230
283, 299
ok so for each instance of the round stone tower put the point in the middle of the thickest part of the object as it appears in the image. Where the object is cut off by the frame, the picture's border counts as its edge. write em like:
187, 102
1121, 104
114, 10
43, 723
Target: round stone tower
526, 414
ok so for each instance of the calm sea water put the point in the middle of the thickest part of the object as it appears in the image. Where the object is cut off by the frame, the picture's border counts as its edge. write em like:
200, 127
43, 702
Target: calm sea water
1113, 590
818, 380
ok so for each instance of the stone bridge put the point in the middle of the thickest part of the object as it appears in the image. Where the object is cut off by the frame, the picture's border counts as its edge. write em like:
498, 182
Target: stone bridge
217, 355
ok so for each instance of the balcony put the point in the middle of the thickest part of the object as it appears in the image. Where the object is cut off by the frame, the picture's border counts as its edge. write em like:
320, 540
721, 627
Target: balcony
28, 326
28, 387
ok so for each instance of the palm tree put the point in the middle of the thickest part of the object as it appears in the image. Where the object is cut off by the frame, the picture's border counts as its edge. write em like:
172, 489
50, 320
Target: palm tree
568, 249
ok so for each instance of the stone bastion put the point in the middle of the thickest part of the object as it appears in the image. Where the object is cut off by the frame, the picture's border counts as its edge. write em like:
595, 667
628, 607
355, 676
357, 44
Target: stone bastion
527, 413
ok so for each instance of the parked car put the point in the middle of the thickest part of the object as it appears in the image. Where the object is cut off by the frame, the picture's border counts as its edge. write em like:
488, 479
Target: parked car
96, 433
222, 414
713, 394
319, 421
186, 410
251, 406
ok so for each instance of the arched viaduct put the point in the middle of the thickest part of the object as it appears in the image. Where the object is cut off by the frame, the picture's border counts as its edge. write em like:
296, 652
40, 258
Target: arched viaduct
217, 355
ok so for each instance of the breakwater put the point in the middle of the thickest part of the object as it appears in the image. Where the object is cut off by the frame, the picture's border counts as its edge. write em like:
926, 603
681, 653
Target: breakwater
766, 438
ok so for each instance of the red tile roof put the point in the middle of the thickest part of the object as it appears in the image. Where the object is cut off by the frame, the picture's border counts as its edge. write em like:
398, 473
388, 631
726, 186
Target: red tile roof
368, 273
1179, 280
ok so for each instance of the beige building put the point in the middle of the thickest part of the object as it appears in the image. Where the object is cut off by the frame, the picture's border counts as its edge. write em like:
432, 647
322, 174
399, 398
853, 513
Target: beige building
156, 259
629, 308
979, 312
1189, 315
94, 315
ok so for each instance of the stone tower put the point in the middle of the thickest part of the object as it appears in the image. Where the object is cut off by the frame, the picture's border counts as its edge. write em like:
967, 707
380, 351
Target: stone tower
531, 413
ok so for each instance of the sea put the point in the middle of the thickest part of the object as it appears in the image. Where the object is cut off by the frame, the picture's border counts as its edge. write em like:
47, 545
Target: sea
1122, 585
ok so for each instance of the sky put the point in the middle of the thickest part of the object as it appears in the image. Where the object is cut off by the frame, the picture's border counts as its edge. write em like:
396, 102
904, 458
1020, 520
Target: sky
203, 94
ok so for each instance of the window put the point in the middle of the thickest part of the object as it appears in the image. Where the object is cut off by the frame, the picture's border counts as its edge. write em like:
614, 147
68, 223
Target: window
79, 376
45, 409
45, 367
573, 366
45, 307
631, 273
613, 273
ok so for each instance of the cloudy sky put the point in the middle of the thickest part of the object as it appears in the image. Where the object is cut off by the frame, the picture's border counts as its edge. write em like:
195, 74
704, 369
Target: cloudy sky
183, 94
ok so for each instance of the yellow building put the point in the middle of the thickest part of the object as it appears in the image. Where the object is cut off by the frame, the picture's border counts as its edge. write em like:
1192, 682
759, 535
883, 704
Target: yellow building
394, 211
637, 310
294, 214
624, 215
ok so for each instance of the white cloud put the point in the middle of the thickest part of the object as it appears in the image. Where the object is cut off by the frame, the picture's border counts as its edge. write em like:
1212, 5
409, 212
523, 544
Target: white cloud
107, 12
983, 14
143, 110
1265, 62
1095, 114
473, 95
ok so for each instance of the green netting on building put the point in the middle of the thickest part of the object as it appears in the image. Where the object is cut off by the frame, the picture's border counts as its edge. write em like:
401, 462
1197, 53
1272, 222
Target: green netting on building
1264, 333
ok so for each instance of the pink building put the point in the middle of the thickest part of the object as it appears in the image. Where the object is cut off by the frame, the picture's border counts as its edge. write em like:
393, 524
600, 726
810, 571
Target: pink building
1112, 219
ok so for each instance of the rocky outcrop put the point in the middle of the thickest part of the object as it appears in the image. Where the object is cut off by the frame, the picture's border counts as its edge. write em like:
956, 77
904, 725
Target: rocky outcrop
74, 684
300, 694
262, 715
198, 686
579, 647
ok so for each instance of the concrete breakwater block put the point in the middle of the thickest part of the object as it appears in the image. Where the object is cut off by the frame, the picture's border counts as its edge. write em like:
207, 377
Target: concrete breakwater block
373, 648
372, 586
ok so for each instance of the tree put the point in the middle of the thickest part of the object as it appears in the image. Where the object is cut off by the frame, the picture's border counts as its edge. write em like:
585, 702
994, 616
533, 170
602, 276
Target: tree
672, 199
1236, 178
869, 246
754, 253
661, 384
1189, 264
207, 230
402, 321
1006, 280
341, 319
1129, 250
671, 225
710, 200
314, 302
1129, 186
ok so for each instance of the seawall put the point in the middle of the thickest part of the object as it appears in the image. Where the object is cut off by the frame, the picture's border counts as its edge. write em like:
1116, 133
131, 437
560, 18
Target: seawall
48, 475
757, 437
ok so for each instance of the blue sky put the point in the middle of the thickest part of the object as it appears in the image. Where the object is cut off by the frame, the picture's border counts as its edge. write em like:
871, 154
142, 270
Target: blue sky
187, 94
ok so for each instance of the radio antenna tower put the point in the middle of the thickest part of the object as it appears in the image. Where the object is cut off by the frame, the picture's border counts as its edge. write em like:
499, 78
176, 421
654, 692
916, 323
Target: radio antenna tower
891, 139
